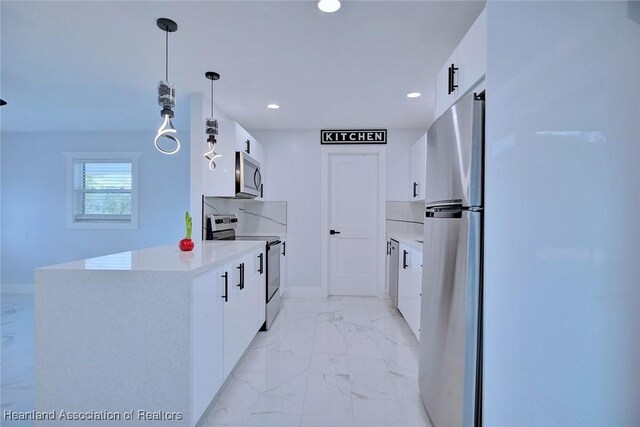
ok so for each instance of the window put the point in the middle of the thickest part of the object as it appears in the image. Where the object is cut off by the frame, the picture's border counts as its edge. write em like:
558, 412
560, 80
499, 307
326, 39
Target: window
102, 190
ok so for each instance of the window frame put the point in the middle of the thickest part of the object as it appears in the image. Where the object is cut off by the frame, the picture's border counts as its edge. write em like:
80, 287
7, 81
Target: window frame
96, 222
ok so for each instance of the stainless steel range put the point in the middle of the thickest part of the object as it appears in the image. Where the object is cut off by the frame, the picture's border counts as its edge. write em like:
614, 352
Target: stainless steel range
223, 227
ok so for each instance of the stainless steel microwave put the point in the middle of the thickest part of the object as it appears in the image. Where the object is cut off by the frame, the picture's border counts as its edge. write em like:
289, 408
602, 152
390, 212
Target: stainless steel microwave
248, 177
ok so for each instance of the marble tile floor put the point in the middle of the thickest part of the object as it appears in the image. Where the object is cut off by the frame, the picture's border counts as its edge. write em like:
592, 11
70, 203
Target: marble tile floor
341, 361
17, 355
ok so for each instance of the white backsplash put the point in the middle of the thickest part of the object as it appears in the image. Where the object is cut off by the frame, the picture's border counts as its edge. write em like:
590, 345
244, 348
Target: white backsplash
404, 217
253, 216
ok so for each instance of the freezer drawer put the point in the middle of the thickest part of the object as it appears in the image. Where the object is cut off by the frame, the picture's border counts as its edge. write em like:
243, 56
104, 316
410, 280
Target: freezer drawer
449, 325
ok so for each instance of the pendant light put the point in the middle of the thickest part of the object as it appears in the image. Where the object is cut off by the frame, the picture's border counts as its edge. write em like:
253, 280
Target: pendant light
167, 96
212, 126
2, 102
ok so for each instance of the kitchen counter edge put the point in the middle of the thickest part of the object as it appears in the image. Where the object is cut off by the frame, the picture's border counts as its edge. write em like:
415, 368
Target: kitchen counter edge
205, 256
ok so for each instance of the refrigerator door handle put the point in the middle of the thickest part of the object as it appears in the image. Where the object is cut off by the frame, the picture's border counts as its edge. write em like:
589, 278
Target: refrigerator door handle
449, 211
454, 203
444, 214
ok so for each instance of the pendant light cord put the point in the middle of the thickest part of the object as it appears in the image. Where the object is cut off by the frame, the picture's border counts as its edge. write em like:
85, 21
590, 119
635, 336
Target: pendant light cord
212, 98
166, 56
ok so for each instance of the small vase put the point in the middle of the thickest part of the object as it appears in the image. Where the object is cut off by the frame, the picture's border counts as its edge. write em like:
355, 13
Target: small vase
186, 245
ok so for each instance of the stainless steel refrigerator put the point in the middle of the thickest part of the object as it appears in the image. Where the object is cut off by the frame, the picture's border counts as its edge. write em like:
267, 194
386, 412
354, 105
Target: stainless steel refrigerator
451, 309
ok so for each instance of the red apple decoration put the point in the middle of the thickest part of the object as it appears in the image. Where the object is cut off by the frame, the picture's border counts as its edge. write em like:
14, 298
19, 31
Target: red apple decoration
186, 244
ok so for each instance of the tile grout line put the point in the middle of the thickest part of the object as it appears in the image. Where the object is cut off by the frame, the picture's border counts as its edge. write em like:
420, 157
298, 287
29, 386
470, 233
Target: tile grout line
306, 387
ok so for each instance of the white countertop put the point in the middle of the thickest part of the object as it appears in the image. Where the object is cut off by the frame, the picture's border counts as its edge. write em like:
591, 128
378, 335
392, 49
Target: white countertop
408, 238
205, 255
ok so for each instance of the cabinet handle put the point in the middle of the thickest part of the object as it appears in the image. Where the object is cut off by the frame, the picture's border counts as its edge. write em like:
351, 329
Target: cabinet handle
415, 189
261, 269
248, 144
388, 248
332, 232
241, 268
284, 248
262, 191
226, 286
452, 74
404, 259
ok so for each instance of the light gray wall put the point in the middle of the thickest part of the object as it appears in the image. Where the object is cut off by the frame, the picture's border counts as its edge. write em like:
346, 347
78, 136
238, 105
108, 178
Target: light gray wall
294, 162
562, 266
34, 200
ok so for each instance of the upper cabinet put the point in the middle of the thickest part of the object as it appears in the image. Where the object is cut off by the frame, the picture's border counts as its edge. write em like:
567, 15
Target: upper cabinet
232, 138
418, 168
465, 68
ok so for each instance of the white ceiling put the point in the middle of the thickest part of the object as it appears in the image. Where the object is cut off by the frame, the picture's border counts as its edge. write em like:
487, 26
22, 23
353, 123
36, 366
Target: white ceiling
95, 65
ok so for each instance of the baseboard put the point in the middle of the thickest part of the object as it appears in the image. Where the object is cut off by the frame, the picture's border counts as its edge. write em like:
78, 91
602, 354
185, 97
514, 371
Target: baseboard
17, 288
303, 292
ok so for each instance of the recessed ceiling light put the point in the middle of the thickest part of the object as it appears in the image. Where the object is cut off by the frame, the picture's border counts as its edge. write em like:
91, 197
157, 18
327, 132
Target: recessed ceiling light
329, 5
413, 95
273, 106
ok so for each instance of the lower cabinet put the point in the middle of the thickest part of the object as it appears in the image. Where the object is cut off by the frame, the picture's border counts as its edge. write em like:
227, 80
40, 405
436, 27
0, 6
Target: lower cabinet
228, 309
410, 286
207, 338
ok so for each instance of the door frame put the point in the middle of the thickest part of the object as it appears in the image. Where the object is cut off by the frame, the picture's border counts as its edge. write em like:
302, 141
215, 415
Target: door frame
380, 152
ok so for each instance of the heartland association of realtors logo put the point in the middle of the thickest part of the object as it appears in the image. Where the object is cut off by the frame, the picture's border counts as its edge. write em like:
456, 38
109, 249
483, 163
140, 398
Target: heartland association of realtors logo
359, 136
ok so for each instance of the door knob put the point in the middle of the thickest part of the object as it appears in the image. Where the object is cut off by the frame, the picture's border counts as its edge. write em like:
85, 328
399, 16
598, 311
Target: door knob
332, 232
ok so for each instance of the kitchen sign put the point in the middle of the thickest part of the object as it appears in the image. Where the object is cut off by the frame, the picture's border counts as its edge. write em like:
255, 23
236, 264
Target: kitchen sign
359, 136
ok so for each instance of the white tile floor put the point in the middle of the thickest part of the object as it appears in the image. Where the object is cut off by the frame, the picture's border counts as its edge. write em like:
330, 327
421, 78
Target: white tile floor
17, 355
344, 361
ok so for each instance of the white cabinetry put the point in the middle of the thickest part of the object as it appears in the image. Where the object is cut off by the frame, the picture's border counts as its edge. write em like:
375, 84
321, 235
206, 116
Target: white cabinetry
231, 138
207, 339
465, 67
228, 310
410, 286
418, 168
445, 94
244, 307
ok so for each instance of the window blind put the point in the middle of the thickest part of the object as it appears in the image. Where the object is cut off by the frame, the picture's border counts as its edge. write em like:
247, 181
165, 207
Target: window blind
102, 191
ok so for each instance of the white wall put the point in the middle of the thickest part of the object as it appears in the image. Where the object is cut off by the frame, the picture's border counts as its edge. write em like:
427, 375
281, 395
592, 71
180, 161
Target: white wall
294, 162
562, 277
33, 200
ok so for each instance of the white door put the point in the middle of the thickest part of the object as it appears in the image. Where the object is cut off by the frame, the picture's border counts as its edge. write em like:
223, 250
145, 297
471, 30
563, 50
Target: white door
353, 219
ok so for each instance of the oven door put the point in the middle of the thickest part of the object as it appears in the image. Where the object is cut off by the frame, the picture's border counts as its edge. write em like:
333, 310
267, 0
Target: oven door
248, 177
273, 268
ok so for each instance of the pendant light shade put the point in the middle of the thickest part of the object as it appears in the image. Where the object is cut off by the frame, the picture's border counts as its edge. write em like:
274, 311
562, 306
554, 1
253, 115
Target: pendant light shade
166, 141
211, 127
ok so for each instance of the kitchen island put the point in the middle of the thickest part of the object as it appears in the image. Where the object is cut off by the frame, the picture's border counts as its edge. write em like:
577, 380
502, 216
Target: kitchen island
145, 337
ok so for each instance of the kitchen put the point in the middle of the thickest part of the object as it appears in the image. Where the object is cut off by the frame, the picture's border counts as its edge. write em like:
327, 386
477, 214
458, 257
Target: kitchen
559, 277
